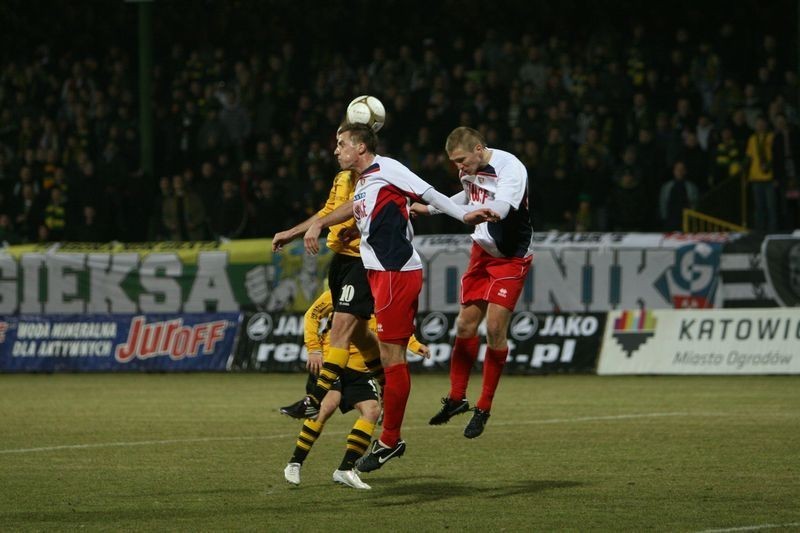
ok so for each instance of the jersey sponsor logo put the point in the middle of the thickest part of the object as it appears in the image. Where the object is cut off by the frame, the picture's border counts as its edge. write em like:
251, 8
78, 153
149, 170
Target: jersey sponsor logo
479, 194
360, 209
259, 326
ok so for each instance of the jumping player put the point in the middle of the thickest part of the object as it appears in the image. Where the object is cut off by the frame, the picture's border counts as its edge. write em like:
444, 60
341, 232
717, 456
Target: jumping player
394, 269
347, 279
500, 259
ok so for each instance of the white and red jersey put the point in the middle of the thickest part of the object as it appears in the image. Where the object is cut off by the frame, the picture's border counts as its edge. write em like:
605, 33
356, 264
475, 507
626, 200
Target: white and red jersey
503, 178
380, 207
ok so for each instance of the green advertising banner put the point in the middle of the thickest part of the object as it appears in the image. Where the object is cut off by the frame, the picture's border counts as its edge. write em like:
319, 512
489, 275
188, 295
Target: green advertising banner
159, 277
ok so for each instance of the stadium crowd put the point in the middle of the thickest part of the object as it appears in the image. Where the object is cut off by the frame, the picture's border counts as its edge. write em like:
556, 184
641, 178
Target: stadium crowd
619, 130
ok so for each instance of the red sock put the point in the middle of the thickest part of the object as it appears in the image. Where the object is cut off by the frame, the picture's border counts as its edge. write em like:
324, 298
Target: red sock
395, 397
492, 370
465, 352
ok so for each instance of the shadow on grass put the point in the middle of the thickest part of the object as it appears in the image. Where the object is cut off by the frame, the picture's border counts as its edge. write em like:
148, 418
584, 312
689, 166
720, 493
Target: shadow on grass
393, 491
410, 490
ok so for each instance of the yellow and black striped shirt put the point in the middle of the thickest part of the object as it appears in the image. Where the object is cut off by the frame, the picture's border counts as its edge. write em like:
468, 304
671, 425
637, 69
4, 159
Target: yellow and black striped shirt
341, 192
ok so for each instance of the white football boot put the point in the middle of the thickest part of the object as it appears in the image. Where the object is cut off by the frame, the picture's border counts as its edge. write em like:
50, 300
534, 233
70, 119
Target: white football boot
292, 473
349, 478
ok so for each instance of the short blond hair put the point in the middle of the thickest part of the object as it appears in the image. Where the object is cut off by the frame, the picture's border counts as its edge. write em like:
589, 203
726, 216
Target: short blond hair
464, 138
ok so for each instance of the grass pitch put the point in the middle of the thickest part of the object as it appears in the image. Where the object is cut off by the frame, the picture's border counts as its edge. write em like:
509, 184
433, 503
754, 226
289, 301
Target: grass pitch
205, 452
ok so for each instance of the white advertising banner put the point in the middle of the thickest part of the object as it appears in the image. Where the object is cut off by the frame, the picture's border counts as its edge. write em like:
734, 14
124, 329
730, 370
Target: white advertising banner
590, 272
708, 341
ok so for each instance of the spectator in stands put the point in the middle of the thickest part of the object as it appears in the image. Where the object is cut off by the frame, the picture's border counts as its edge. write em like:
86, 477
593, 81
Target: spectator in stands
270, 210
28, 213
705, 132
157, 230
183, 213
741, 131
676, 195
74, 107
627, 204
630, 163
89, 230
55, 214
25, 179
785, 153
42, 234
726, 157
8, 234
761, 178
230, 215
595, 187
694, 159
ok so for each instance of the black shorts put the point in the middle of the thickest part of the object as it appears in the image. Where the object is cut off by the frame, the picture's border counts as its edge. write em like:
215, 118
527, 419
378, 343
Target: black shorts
347, 279
355, 387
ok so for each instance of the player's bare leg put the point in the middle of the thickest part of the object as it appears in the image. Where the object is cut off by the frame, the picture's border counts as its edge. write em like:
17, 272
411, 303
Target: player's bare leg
462, 359
497, 320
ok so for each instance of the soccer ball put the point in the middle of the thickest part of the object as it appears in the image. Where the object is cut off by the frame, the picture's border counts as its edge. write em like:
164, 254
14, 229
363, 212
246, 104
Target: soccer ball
366, 110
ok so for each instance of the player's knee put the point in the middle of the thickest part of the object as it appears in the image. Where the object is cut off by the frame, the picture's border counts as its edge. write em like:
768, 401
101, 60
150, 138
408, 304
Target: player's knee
364, 338
466, 327
496, 336
370, 411
327, 408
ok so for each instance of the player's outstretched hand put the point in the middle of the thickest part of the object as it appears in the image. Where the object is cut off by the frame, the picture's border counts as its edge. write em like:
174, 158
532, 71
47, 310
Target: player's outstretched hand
484, 214
424, 351
314, 362
417, 209
348, 234
311, 238
281, 238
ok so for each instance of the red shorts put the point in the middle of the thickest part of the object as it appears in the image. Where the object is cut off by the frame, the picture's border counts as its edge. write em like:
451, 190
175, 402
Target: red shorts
396, 296
498, 280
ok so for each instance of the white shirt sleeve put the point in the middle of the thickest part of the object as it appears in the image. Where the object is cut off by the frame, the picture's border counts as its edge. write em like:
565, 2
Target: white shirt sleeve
411, 183
500, 207
511, 183
458, 198
445, 205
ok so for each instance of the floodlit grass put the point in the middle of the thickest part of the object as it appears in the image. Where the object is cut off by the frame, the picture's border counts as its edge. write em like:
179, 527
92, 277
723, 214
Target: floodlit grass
206, 452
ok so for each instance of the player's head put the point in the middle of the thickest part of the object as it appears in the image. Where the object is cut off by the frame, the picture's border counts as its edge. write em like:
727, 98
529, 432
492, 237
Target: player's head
466, 148
354, 143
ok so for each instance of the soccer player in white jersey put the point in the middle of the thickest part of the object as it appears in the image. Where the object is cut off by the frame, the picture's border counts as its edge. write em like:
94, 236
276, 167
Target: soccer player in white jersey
394, 269
500, 259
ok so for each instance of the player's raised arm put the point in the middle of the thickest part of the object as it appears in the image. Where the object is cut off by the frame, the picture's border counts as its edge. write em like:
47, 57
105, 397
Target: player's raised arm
459, 212
418, 209
283, 238
341, 214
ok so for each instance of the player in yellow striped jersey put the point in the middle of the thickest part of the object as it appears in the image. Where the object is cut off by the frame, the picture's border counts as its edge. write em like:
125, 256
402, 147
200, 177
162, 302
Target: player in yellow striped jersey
353, 389
347, 279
